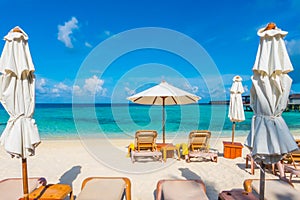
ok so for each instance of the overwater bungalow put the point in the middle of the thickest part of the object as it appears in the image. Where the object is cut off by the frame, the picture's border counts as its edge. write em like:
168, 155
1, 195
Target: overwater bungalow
293, 104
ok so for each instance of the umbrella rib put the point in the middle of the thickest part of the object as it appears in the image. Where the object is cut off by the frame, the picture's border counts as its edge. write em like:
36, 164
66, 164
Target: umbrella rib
174, 100
154, 100
137, 99
190, 98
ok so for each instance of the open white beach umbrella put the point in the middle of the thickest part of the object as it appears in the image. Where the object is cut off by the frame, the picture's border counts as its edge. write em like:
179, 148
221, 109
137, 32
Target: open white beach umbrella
270, 139
17, 95
164, 94
236, 108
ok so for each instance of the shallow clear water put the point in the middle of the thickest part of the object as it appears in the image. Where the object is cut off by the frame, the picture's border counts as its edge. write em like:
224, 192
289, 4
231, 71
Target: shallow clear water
122, 120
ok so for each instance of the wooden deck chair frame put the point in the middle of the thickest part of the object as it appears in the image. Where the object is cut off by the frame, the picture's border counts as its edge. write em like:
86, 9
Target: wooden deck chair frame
293, 160
127, 186
198, 145
253, 165
145, 145
145, 140
292, 168
274, 188
199, 140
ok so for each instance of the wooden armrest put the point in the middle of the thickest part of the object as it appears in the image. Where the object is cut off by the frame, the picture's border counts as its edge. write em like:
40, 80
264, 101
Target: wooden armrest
247, 185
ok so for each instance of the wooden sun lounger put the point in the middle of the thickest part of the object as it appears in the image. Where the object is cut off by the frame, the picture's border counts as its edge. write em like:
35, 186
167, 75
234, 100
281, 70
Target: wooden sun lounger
156, 155
198, 145
181, 189
274, 189
145, 146
292, 166
108, 188
12, 188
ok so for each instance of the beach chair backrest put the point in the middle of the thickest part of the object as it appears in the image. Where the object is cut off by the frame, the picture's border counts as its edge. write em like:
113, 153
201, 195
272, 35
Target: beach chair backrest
199, 140
295, 157
145, 139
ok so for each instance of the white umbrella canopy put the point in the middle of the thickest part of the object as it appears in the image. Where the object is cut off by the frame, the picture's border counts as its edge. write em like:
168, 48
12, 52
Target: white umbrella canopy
17, 95
269, 138
164, 94
236, 108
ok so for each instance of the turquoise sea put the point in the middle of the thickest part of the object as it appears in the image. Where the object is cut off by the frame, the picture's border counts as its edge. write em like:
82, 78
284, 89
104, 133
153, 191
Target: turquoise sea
63, 121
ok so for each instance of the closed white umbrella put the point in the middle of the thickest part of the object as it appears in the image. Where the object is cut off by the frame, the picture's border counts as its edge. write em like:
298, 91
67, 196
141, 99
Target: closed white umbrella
270, 139
17, 95
236, 108
164, 94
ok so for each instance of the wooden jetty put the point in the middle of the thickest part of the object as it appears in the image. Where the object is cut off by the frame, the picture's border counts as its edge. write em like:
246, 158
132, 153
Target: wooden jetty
293, 104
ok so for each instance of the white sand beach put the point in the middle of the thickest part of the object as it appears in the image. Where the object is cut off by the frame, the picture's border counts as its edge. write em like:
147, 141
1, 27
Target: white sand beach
71, 161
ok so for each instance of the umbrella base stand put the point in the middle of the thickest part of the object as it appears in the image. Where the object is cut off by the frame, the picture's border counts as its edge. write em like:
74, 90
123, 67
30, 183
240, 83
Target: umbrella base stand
25, 178
262, 182
232, 150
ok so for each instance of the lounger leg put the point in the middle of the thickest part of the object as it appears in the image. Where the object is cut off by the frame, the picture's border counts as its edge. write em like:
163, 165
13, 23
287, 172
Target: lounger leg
252, 166
71, 195
178, 152
294, 172
158, 157
248, 157
273, 169
187, 158
165, 154
247, 160
159, 190
132, 157
215, 159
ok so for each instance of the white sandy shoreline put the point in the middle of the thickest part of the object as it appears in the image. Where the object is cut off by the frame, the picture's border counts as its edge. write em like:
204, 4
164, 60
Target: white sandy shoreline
71, 161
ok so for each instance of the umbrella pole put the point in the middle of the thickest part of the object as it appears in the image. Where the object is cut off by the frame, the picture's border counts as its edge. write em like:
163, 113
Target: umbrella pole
262, 182
25, 178
163, 120
232, 135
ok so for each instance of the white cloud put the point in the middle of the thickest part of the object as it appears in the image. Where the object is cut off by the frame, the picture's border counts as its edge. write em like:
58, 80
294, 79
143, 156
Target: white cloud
48, 90
293, 46
105, 34
246, 89
94, 85
88, 45
61, 86
108, 33
77, 90
91, 86
40, 85
60, 89
193, 89
129, 91
65, 32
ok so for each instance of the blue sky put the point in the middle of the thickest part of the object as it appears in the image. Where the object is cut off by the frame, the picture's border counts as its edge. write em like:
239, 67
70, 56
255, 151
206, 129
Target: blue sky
64, 35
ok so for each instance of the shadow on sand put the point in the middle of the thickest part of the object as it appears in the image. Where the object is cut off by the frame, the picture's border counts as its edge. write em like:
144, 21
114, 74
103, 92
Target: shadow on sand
190, 175
69, 176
